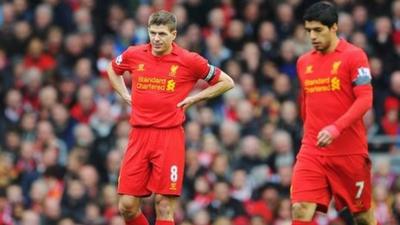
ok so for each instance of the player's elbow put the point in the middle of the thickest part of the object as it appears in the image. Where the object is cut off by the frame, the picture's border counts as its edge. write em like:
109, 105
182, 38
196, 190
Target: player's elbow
368, 99
110, 71
228, 82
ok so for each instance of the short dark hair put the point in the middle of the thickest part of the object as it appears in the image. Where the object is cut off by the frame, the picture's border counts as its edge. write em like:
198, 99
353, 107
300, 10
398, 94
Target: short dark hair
323, 12
163, 17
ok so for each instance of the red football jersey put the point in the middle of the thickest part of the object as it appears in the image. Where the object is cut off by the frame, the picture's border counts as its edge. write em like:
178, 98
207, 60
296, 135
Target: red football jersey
330, 84
159, 83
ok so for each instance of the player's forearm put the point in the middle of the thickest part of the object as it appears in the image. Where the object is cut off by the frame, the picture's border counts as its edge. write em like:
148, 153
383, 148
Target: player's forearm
118, 83
357, 110
224, 84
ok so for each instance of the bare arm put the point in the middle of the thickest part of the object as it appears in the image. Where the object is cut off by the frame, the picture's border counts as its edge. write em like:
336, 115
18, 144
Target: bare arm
118, 83
223, 84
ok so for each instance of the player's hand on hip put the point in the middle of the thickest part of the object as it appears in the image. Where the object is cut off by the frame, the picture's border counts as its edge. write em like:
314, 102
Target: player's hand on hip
186, 103
327, 135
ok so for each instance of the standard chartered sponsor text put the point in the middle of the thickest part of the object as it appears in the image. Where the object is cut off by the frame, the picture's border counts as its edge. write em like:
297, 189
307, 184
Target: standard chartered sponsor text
152, 80
157, 87
154, 83
322, 84
318, 81
318, 89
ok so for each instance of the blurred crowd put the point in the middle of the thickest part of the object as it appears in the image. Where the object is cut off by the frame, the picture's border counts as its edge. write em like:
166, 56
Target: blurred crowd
64, 130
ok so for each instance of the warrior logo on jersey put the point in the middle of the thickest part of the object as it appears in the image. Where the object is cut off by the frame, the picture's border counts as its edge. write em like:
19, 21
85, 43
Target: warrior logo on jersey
140, 67
335, 67
309, 69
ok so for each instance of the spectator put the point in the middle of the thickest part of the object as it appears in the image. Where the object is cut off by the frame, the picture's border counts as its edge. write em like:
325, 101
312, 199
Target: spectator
125, 36
249, 155
51, 211
229, 135
223, 204
268, 40
283, 153
90, 179
22, 36
216, 52
235, 37
109, 202
74, 200
246, 116
36, 57
63, 124
284, 20
85, 106
30, 218
251, 57
43, 20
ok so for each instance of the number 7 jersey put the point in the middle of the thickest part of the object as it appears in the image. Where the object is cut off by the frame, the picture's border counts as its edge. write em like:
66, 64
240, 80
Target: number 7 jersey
335, 89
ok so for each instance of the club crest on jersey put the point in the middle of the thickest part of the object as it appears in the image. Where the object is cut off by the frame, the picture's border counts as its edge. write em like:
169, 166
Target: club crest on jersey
335, 67
140, 67
172, 70
118, 60
309, 69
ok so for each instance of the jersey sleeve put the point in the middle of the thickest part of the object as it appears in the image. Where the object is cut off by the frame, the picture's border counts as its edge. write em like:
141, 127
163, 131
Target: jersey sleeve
362, 90
203, 70
359, 69
120, 64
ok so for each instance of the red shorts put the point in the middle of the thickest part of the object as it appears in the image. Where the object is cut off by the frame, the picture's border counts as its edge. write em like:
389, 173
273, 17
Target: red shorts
153, 162
346, 178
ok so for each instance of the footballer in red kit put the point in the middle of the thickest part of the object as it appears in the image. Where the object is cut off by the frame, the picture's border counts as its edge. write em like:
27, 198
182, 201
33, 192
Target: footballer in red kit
335, 93
157, 88
163, 74
159, 83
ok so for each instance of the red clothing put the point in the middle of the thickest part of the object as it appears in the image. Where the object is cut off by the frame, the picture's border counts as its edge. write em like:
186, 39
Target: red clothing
259, 208
346, 178
82, 116
336, 90
154, 162
44, 62
159, 83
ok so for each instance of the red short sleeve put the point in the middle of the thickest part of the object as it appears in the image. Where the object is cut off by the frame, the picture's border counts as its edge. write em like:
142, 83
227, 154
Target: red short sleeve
203, 70
120, 64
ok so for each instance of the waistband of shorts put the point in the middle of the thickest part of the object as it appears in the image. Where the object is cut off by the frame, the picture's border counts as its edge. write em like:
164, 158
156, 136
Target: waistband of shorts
157, 128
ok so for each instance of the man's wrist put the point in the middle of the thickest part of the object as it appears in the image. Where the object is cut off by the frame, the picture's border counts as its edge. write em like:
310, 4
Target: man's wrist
126, 96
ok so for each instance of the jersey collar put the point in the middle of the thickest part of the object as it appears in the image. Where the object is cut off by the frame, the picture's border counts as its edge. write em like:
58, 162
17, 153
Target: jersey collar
339, 48
175, 48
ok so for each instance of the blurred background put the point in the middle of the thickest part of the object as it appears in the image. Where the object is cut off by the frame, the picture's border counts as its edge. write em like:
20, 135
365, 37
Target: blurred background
64, 131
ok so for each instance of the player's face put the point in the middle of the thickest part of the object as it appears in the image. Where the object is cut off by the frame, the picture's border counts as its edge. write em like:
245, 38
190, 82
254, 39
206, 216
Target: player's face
321, 36
161, 38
